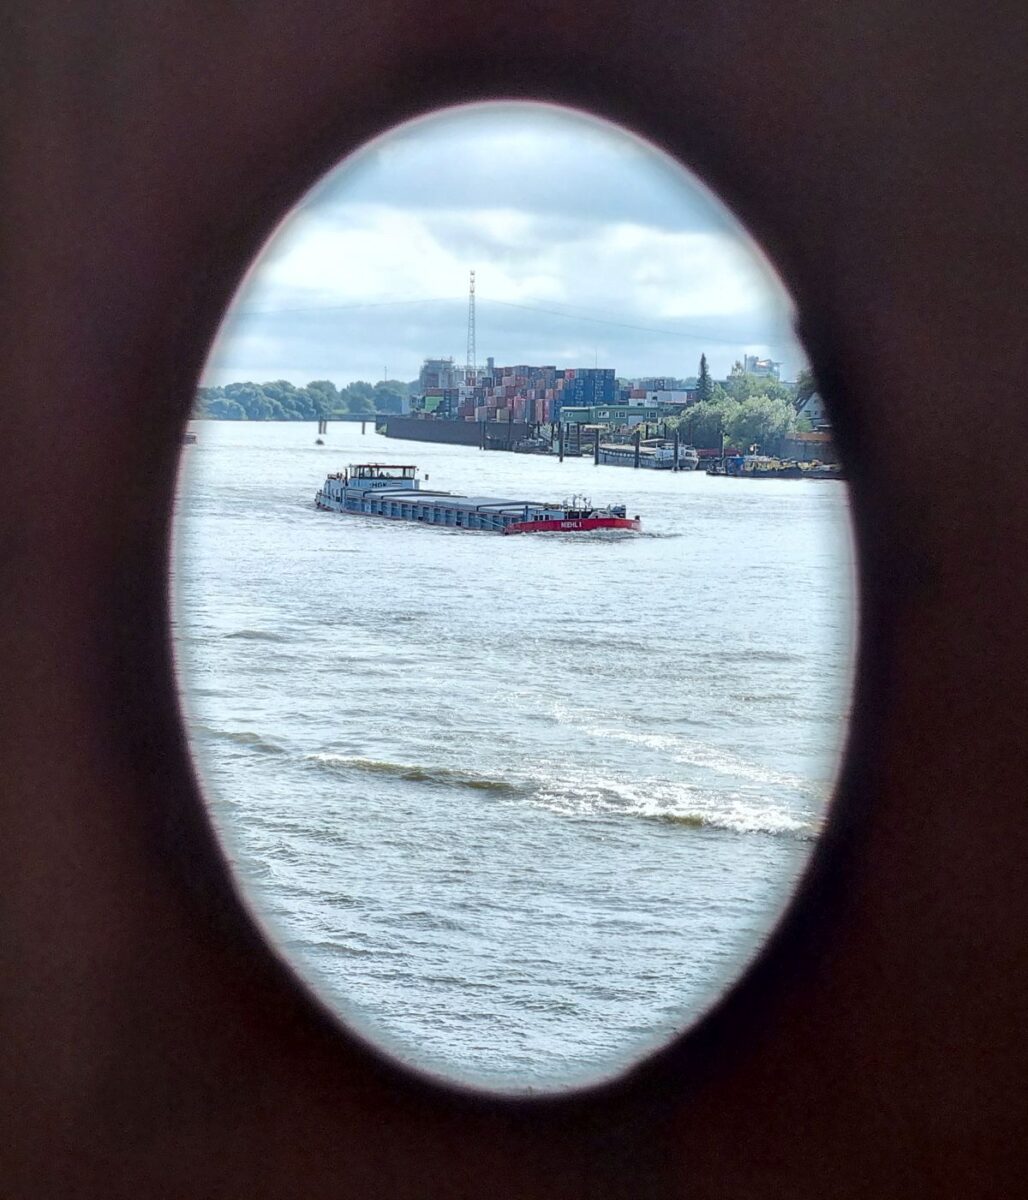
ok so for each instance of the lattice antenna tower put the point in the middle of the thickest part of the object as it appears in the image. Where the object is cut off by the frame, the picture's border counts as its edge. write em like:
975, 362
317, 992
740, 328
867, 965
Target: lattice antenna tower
470, 367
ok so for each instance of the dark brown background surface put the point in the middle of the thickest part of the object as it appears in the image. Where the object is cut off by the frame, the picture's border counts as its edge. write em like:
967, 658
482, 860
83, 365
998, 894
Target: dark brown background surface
150, 1044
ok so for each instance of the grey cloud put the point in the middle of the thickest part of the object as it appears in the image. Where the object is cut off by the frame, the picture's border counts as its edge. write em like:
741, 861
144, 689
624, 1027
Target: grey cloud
540, 164
568, 178
467, 239
347, 344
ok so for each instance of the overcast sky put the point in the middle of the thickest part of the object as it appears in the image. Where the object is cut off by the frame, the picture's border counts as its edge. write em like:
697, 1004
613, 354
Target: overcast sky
589, 247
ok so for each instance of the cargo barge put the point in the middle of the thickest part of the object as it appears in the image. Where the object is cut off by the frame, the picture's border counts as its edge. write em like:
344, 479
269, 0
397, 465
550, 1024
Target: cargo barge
762, 466
655, 453
394, 491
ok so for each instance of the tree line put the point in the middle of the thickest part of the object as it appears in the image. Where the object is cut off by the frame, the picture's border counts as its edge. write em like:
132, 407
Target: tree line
743, 410
280, 400
740, 411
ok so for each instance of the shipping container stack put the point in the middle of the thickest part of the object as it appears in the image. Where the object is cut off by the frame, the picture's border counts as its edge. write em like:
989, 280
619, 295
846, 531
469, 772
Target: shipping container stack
520, 393
586, 387
440, 390
441, 403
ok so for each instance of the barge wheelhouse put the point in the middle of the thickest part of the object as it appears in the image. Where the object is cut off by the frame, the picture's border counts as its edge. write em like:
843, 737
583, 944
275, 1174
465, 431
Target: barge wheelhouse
394, 491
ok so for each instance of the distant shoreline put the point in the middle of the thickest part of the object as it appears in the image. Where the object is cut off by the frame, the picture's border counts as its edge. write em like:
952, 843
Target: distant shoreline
348, 417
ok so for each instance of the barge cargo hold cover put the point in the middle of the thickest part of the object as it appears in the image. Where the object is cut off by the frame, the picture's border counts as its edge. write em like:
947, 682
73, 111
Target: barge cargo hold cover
394, 491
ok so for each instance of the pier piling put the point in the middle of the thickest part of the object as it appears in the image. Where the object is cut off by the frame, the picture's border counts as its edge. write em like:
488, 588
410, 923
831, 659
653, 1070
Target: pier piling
635, 438
674, 465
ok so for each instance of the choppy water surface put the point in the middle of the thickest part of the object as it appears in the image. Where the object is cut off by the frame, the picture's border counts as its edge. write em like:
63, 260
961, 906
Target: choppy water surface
519, 806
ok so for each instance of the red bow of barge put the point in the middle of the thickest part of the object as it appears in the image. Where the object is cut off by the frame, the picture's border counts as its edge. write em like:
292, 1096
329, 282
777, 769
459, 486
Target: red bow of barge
394, 491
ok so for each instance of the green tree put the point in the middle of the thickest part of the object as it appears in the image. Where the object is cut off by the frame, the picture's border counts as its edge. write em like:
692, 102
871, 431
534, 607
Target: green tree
279, 390
390, 395
763, 421
225, 409
324, 396
702, 425
205, 397
358, 398
255, 402
742, 386
361, 405
704, 384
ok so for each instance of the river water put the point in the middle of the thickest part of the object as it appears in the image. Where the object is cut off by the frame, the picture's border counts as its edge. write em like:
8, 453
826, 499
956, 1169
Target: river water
518, 807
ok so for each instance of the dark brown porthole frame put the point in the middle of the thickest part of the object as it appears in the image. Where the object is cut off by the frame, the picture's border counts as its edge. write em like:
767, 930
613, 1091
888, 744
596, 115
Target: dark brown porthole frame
152, 1044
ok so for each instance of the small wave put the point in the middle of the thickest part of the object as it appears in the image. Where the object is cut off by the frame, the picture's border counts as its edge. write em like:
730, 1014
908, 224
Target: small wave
257, 635
760, 656
677, 804
415, 773
689, 752
774, 823
587, 641
692, 820
239, 737
681, 804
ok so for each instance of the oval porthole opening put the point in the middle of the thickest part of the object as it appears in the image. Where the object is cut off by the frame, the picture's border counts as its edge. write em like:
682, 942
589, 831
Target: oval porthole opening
518, 808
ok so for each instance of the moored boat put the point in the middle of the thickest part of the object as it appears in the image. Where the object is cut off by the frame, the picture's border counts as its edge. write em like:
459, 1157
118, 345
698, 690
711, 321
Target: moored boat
763, 466
394, 491
656, 453
532, 445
